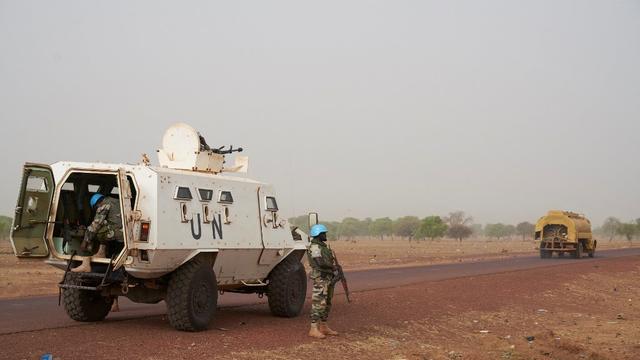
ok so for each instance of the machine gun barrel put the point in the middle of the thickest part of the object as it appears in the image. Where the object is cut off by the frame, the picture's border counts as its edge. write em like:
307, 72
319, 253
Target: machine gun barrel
221, 150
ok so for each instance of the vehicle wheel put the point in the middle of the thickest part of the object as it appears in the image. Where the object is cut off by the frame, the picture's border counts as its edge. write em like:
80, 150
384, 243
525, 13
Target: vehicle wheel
592, 253
578, 253
192, 296
85, 305
287, 288
545, 254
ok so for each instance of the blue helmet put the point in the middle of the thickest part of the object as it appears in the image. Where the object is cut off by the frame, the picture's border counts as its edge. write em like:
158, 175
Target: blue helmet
318, 229
95, 198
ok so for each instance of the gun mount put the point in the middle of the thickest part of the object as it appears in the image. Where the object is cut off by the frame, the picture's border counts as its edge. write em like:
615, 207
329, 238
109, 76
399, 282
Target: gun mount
185, 148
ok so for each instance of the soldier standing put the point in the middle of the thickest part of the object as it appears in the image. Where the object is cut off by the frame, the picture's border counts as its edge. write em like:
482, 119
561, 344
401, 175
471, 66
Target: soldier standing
106, 226
322, 273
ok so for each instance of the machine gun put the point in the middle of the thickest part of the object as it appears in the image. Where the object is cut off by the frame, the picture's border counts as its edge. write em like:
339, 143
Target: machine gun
222, 151
340, 276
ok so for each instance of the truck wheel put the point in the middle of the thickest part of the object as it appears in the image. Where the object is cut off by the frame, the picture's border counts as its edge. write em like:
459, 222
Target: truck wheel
85, 305
545, 254
287, 288
192, 296
592, 253
578, 253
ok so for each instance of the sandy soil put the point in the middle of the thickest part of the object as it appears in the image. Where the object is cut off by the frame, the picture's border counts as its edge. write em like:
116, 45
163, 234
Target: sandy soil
580, 310
28, 277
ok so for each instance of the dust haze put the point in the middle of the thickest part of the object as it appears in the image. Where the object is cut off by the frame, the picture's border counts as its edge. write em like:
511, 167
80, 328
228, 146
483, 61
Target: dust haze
362, 108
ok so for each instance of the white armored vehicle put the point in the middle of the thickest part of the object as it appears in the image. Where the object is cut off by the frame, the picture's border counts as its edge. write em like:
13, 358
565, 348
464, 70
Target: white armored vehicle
189, 233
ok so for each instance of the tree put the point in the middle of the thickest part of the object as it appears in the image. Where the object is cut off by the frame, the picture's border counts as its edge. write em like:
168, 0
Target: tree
627, 230
610, 227
349, 227
459, 232
498, 230
406, 226
525, 229
381, 227
301, 222
458, 218
431, 227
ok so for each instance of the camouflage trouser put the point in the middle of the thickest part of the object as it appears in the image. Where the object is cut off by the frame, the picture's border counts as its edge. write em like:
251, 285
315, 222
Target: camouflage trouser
109, 233
321, 298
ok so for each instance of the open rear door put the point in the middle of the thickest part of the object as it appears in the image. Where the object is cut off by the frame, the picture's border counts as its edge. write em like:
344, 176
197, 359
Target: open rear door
31, 217
127, 218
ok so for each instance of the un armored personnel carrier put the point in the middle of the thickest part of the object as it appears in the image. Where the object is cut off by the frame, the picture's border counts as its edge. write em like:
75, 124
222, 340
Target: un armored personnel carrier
565, 232
191, 231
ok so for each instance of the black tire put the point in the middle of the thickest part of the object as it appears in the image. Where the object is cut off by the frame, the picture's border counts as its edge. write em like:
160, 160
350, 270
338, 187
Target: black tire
192, 296
85, 305
578, 253
545, 254
287, 288
592, 253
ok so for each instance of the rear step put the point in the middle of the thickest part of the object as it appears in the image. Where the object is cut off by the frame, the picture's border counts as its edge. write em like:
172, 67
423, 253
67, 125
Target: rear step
79, 287
103, 283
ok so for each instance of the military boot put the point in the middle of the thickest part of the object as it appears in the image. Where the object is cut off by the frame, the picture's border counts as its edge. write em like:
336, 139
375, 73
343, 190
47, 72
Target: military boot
326, 330
314, 332
102, 251
85, 267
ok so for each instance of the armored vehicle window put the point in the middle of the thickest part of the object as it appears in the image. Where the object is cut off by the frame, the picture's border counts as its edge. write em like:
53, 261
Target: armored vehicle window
183, 193
205, 194
35, 183
225, 197
272, 205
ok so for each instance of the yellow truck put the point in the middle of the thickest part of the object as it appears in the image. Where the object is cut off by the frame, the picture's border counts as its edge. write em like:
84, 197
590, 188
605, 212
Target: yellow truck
565, 232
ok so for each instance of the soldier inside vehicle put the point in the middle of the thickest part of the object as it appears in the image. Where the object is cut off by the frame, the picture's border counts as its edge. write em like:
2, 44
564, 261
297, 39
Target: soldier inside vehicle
75, 213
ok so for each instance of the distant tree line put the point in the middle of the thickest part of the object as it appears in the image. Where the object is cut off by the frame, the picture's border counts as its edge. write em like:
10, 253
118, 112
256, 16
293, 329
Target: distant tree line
613, 227
457, 225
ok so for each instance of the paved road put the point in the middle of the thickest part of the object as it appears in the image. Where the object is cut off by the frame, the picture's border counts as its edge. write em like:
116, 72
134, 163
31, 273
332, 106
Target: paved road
42, 312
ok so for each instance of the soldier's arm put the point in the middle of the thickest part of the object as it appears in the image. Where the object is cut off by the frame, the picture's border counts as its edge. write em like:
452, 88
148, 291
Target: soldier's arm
98, 221
319, 258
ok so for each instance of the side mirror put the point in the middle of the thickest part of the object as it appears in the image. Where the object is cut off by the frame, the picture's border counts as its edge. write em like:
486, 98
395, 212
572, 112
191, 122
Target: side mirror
313, 219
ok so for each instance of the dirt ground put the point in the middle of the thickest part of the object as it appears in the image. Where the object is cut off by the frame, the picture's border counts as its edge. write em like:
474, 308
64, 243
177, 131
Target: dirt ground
594, 316
365, 253
577, 310
28, 277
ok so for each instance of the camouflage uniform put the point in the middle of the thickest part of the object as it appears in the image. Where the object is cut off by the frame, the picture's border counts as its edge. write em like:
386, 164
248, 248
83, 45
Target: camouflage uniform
107, 223
322, 272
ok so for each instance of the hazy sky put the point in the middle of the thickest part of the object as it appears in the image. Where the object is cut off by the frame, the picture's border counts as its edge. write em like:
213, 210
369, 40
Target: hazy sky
504, 109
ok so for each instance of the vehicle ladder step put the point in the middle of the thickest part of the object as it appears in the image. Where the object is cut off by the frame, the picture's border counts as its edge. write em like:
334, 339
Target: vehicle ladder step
79, 287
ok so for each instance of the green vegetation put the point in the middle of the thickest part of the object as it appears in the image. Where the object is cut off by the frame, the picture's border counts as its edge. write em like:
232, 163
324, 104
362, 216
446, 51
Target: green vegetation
628, 230
406, 226
499, 230
525, 229
431, 227
381, 227
612, 226
5, 226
